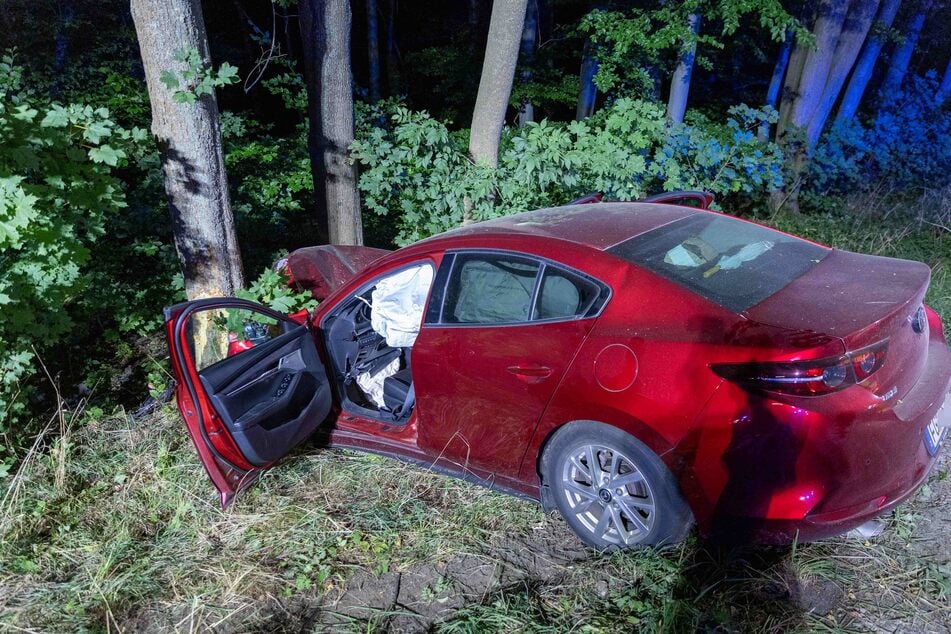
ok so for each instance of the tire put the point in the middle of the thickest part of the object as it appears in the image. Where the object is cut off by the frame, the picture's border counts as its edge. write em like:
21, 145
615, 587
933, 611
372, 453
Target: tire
636, 501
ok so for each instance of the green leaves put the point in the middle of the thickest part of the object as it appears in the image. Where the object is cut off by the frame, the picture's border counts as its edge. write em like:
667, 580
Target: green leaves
106, 154
195, 78
56, 190
414, 171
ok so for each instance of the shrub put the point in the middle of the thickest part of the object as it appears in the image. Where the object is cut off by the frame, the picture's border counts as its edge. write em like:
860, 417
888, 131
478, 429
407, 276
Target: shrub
56, 191
415, 169
904, 145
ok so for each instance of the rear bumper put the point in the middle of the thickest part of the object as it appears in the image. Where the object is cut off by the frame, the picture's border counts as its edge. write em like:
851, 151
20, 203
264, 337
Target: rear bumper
826, 466
736, 529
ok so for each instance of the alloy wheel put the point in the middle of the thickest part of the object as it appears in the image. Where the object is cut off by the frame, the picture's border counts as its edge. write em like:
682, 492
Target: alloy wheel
608, 495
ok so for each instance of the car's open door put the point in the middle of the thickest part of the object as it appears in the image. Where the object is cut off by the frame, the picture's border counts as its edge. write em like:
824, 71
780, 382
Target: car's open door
250, 385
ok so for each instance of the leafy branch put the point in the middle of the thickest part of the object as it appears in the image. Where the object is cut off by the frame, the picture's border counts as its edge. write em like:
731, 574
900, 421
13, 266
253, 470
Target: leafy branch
196, 78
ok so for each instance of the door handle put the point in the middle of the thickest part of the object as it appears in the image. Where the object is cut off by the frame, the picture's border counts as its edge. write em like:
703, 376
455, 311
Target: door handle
530, 373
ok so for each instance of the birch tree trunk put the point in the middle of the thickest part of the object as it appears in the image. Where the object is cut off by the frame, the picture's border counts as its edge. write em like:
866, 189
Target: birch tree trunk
189, 140
862, 72
854, 30
680, 83
902, 55
325, 33
373, 49
495, 87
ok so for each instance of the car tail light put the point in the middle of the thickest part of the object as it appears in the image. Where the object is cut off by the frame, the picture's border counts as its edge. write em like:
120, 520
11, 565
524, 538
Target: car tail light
806, 378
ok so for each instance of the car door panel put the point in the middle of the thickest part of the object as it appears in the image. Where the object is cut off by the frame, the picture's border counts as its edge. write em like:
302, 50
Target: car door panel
246, 411
481, 390
273, 400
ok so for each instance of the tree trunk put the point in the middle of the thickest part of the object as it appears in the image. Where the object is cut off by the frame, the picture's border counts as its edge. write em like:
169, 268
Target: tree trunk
804, 90
902, 55
325, 33
61, 46
392, 51
495, 87
189, 139
862, 72
776, 81
854, 30
944, 90
588, 92
373, 50
680, 83
805, 83
526, 111
473, 16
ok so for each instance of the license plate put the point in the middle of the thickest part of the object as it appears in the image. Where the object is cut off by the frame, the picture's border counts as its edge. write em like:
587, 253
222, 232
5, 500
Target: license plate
938, 428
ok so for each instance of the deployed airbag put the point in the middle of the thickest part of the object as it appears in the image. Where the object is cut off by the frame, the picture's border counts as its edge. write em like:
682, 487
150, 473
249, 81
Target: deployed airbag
397, 304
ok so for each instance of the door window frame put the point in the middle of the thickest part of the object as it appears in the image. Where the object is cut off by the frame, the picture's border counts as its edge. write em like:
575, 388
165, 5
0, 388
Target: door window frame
434, 315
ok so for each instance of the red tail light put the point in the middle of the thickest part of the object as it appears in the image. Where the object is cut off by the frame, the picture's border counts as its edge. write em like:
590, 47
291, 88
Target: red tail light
806, 378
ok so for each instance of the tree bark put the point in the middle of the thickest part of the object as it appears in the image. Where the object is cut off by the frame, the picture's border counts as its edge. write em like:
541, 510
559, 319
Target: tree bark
587, 92
854, 30
776, 81
392, 50
325, 33
944, 90
373, 50
902, 55
680, 83
189, 139
526, 111
805, 83
804, 90
862, 72
495, 87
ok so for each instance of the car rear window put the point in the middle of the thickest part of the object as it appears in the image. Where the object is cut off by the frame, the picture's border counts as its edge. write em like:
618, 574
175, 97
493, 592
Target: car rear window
733, 263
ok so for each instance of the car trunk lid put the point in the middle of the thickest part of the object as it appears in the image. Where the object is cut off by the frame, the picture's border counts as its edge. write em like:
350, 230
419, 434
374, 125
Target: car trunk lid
862, 300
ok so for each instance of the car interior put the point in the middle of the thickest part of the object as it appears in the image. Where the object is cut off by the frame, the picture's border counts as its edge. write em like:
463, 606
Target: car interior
370, 340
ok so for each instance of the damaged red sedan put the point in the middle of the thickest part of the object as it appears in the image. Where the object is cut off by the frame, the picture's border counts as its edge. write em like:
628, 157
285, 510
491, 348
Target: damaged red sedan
637, 366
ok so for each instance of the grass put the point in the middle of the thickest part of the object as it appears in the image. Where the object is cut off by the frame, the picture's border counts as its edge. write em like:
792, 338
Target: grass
109, 524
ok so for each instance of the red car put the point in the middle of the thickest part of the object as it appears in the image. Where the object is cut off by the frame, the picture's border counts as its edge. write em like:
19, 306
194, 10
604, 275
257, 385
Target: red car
637, 366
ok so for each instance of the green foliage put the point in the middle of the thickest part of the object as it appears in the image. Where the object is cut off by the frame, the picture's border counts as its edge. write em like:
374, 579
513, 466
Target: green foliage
57, 190
630, 42
415, 170
196, 78
905, 145
546, 89
272, 290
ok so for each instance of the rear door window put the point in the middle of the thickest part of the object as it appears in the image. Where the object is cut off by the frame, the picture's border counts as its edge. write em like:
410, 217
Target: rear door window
734, 263
490, 289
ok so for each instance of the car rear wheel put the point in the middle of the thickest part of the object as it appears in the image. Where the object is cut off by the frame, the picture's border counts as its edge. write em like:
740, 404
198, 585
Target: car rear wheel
613, 490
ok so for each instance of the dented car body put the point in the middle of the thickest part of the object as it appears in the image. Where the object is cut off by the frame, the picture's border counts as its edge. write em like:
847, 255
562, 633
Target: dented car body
638, 366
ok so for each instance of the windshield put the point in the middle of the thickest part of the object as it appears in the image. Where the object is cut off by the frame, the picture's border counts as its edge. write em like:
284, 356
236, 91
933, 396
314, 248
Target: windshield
733, 263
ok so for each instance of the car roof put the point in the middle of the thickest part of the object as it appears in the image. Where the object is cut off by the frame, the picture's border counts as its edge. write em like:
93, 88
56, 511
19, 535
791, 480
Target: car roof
597, 225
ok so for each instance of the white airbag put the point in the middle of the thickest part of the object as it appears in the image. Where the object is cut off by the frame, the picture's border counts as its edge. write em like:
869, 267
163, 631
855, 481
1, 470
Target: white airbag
397, 304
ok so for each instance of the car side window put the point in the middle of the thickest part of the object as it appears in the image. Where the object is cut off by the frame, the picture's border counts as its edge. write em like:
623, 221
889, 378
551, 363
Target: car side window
563, 294
215, 334
490, 289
